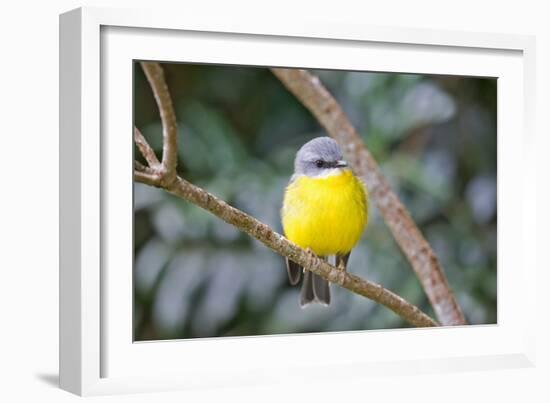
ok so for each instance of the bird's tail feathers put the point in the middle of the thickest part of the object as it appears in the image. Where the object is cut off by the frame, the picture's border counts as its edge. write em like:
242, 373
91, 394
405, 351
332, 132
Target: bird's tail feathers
314, 289
294, 271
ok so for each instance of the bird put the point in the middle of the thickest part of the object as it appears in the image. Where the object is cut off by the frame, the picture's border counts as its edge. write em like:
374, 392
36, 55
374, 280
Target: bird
325, 211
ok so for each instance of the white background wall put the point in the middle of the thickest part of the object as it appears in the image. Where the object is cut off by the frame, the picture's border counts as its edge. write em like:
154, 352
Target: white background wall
29, 207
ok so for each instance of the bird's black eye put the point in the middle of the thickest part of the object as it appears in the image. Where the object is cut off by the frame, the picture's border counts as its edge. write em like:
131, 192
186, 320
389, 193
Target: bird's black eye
319, 163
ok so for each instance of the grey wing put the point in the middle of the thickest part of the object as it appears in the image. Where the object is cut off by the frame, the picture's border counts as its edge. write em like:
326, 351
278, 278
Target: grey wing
306, 293
294, 271
321, 289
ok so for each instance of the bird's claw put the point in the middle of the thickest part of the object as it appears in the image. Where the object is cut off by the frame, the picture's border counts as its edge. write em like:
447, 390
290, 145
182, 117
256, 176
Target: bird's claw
341, 266
310, 254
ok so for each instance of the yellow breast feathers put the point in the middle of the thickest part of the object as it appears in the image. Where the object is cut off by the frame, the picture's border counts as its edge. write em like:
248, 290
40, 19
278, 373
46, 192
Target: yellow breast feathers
326, 214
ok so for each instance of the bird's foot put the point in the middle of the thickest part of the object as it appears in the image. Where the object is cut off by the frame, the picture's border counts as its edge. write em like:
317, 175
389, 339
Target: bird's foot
341, 265
310, 253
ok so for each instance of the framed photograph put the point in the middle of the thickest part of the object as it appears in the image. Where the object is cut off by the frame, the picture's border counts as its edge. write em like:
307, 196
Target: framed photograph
244, 204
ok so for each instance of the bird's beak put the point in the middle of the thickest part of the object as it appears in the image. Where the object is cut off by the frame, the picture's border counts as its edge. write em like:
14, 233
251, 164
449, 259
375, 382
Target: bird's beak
341, 164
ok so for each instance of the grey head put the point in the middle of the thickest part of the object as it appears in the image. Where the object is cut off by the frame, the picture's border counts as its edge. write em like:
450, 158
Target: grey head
319, 157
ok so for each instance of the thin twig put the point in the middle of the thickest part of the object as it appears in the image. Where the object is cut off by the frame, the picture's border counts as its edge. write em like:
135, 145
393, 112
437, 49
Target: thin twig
138, 166
155, 76
315, 97
146, 177
145, 149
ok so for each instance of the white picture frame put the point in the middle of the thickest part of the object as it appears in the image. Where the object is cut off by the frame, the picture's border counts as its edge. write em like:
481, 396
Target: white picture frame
97, 354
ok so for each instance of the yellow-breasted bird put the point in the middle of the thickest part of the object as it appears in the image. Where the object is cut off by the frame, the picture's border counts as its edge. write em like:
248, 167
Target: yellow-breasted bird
325, 210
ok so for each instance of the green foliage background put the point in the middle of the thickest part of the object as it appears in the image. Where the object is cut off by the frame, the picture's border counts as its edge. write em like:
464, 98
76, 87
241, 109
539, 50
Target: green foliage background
239, 129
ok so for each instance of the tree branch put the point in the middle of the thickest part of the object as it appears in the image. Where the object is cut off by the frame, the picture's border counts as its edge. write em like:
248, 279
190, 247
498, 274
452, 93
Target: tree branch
315, 97
145, 174
155, 76
284, 247
157, 177
145, 149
